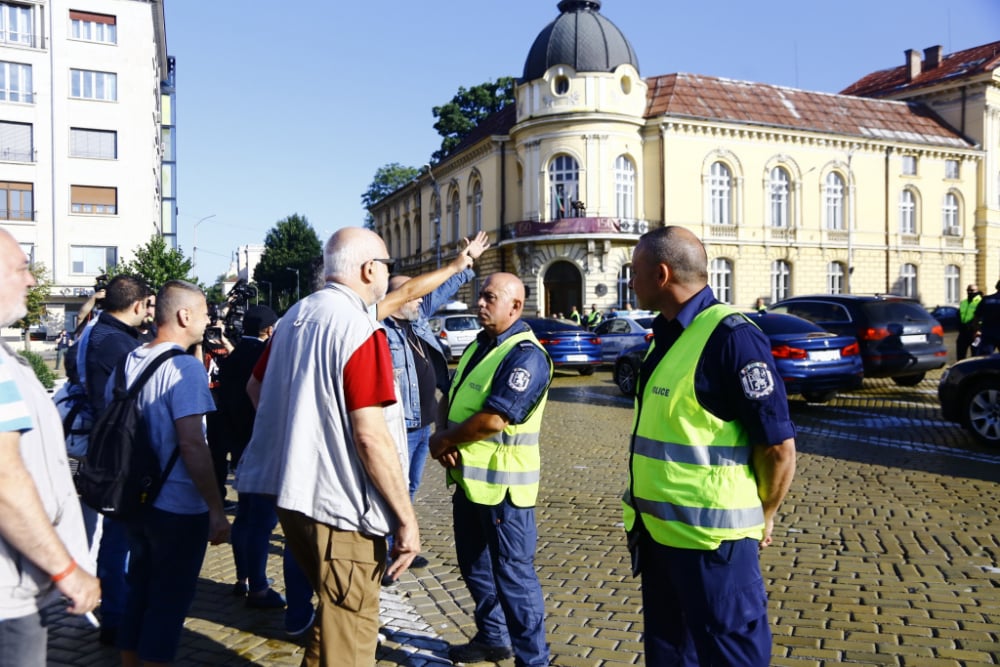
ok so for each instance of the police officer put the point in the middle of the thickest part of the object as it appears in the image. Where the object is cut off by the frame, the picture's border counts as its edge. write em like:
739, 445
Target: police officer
490, 448
712, 456
575, 316
968, 322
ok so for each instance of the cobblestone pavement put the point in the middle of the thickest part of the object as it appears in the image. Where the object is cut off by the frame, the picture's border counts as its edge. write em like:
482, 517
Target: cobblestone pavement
886, 551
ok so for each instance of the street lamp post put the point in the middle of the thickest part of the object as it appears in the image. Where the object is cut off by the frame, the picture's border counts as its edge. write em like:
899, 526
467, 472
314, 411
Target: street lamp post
297, 286
194, 249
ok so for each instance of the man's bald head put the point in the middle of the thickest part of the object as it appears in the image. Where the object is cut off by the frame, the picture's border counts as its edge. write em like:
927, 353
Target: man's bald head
347, 259
500, 303
679, 249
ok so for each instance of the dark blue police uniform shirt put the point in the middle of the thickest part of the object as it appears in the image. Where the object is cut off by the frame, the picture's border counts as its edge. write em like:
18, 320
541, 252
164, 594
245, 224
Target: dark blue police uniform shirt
521, 378
719, 385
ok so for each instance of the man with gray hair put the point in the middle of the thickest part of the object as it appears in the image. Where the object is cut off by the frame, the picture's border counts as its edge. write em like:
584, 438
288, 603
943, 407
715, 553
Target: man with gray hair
43, 547
329, 443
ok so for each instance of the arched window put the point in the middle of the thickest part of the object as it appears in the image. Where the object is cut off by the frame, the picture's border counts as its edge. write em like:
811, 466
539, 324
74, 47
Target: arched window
409, 239
564, 185
949, 215
833, 201
477, 209
720, 278
456, 224
397, 238
907, 212
951, 284
778, 185
625, 293
908, 280
720, 185
781, 280
624, 188
835, 278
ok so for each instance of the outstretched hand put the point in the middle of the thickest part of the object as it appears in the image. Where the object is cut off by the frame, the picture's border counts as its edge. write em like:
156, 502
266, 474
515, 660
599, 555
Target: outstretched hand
477, 246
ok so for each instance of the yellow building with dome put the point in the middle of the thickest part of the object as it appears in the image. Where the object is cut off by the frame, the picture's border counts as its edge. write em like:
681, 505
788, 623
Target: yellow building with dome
792, 191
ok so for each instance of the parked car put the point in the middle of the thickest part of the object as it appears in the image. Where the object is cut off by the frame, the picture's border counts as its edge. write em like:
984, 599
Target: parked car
898, 338
947, 316
969, 392
811, 361
620, 333
457, 331
569, 346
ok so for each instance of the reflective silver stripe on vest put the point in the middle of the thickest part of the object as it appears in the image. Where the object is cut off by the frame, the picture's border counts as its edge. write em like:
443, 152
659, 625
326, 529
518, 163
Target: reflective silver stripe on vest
510, 439
695, 454
702, 517
501, 477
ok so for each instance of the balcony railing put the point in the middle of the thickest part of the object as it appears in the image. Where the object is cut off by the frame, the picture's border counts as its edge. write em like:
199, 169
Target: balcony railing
575, 226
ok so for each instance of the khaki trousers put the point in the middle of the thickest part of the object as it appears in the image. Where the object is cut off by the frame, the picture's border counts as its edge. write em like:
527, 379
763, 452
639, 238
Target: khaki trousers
345, 570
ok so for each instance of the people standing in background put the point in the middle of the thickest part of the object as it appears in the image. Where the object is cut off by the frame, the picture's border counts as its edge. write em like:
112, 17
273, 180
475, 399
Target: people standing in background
968, 321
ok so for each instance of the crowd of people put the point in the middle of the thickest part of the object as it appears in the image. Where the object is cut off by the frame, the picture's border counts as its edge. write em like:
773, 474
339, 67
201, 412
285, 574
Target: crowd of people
329, 415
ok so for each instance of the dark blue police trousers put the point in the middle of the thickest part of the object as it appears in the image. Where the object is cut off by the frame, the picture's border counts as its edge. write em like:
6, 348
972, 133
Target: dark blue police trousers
704, 608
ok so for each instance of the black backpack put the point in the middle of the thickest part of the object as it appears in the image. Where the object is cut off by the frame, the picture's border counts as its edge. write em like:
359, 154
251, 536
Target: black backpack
121, 474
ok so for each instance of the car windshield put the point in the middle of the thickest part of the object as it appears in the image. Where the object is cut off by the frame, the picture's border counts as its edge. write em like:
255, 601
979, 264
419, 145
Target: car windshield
462, 323
538, 324
896, 311
785, 324
645, 322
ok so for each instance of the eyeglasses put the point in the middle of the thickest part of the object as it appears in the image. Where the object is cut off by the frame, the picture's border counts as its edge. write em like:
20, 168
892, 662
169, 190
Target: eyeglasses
390, 263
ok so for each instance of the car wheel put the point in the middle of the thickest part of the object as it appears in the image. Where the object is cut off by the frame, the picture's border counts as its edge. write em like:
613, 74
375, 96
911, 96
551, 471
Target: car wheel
587, 370
818, 396
909, 380
626, 376
982, 412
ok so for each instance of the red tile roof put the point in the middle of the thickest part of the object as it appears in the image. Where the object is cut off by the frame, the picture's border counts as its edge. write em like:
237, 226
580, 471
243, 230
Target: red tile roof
961, 64
727, 100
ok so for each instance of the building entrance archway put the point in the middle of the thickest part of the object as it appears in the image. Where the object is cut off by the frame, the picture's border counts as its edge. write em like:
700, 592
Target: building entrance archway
563, 289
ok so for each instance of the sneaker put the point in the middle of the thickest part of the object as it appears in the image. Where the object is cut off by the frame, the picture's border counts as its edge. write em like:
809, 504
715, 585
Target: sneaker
419, 562
478, 652
269, 599
297, 629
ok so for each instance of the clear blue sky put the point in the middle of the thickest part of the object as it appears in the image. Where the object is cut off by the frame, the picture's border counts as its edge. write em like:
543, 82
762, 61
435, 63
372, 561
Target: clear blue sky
292, 110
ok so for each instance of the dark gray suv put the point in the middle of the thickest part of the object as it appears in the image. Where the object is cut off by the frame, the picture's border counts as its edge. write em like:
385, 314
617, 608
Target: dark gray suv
899, 339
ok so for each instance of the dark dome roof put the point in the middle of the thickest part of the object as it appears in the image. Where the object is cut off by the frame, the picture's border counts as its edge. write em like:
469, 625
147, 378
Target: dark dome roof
581, 38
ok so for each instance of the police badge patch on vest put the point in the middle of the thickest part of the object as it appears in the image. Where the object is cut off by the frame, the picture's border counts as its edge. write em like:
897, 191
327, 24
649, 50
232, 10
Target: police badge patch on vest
519, 379
757, 380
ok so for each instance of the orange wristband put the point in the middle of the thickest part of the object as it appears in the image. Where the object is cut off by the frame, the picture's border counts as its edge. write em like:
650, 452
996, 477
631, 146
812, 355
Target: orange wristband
65, 573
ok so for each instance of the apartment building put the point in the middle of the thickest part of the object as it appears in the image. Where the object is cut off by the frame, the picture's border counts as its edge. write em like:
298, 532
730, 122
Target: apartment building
87, 167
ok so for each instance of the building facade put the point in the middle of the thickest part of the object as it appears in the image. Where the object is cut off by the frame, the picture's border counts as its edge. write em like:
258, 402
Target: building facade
86, 137
792, 191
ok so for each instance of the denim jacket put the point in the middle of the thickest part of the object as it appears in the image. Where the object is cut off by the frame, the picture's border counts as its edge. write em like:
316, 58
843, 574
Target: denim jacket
402, 355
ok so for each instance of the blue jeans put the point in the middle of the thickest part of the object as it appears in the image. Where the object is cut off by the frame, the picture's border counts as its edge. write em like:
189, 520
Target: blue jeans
418, 442
112, 560
167, 551
496, 554
704, 607
23, 641
251, 537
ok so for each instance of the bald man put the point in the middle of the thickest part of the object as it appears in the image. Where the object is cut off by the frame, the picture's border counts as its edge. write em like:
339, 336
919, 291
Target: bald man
712, 456
330, 443
489, 444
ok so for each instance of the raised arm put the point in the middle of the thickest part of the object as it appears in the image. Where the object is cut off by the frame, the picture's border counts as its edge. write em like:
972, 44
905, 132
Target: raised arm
426, 283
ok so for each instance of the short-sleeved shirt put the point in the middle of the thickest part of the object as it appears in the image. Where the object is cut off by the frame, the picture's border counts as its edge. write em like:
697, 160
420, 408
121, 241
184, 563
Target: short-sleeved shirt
733, 346
178, 388
515, 400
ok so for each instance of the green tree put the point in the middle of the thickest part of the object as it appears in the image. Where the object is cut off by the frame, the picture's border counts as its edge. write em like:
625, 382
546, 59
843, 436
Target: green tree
467, 109
292, 245
156, 263
37, 297
388, 178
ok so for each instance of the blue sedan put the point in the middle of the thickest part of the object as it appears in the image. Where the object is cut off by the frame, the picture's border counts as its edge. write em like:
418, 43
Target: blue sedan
810, 360
569, 346
620, 333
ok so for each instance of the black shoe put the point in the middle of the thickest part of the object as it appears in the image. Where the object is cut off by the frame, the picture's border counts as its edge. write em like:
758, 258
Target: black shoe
388, 581
269, 599
241, 588
477, 652
419, 562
